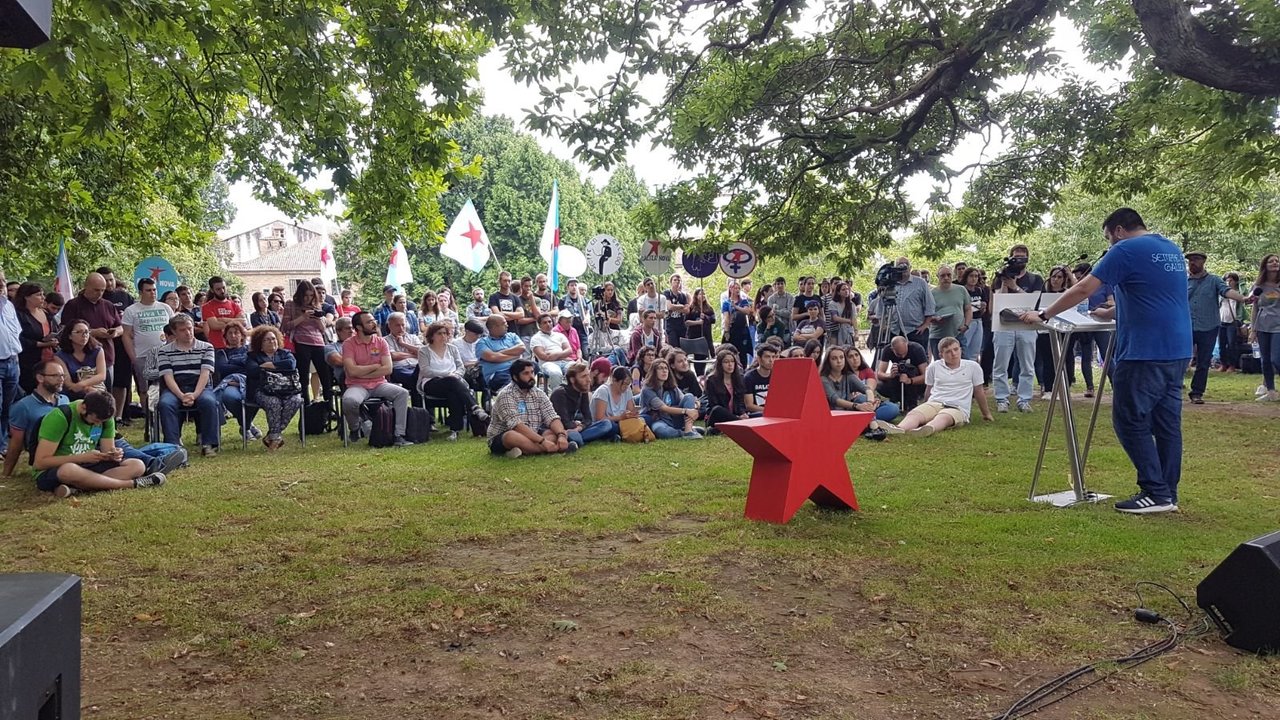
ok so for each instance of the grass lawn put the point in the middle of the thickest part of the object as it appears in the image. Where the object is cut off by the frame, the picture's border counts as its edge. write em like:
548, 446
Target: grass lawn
623, 582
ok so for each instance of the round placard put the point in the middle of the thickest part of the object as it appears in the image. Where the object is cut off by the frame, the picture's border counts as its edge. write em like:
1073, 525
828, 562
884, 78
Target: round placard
700, 265
738, 261
604, 254
160, 270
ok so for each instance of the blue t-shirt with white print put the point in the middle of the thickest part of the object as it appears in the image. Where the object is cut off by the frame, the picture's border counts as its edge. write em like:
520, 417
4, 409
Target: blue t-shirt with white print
1149, 277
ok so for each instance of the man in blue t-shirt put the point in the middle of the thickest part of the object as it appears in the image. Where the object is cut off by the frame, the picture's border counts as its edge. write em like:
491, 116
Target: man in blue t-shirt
1153, 346
497, 351
26, 414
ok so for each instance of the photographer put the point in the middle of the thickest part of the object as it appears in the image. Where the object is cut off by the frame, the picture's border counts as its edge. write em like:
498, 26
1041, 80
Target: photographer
1012, 277
904, 303
900, 372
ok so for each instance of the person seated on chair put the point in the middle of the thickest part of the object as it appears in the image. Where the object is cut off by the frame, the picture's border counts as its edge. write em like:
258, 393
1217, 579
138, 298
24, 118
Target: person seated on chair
953, 384
333, 351
523, 421
551, 350
645, 335
564, 326
900, 375
757, 379
686, 378
267, 366
667, 410
186, 367
405, 345
601, 369
572, 402
845, 391
366, 362
82, 358
440, 372
613, 401
497, 352
76, 450
724, 391
231, 364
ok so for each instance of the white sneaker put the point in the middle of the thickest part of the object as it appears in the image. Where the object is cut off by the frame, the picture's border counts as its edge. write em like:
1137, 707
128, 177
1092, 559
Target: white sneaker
922, 431
1046, 394
514, 453
1262, 390
889, 428
1273, 396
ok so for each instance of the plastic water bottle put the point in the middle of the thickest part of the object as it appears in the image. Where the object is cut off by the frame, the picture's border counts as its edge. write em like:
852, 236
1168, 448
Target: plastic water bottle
1257, 350
1083, 307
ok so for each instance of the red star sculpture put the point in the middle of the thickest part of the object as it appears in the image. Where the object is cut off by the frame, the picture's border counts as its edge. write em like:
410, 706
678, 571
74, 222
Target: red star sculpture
798, 446
473, 234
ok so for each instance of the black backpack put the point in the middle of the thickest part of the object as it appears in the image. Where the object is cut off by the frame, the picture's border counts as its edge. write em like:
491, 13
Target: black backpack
33, 438
417, 426
315, 416
383, 417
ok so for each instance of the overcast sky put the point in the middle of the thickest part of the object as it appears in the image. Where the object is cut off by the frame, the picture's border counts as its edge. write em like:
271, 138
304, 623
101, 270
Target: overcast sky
503, 96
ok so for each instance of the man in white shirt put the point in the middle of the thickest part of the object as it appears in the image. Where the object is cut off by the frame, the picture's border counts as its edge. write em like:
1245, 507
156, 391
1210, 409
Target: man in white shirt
951, 385
651, 300
144, 323
472, 331
551, 350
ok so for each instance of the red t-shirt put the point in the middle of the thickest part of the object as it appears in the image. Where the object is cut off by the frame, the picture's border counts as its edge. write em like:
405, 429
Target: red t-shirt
219, 309
347, 310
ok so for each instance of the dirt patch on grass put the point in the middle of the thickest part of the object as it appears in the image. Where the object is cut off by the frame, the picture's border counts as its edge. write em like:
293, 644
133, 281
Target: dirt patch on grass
627, 626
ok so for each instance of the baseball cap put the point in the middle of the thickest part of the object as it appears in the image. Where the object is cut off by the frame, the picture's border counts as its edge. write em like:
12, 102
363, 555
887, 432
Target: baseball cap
388, 288
563, 314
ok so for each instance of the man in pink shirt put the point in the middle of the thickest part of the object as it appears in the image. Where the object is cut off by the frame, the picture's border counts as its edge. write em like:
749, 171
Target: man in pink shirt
219, 312
366, 362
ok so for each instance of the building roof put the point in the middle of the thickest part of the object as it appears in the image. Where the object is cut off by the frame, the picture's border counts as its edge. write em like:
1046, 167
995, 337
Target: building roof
302, 258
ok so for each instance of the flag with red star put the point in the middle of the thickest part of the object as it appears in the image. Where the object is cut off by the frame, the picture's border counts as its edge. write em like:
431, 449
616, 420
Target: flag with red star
466, 241
398, 272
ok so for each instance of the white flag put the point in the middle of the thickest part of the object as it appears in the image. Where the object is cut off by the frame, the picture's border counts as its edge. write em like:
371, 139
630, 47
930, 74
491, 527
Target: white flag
398, 272
466, 241
328, 268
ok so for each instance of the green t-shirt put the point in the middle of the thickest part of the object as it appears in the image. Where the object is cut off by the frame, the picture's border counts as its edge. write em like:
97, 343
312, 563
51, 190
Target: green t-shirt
949, 305
82, 438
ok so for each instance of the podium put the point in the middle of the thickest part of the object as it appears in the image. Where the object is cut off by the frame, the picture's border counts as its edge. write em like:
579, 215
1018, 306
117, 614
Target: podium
1060, 329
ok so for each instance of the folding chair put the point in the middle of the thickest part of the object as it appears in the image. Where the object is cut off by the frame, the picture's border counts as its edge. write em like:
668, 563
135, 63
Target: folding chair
249, 403
695, 347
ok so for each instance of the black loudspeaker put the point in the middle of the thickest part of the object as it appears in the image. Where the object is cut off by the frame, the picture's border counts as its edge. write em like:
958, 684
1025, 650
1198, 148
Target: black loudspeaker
39, 647
25, 23
1242, 595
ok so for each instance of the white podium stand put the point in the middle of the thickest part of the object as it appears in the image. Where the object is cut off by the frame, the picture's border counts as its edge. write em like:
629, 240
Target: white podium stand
1060, 329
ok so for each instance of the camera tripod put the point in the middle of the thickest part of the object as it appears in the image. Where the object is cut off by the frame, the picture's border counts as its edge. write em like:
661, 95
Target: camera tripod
601, 343
889, 314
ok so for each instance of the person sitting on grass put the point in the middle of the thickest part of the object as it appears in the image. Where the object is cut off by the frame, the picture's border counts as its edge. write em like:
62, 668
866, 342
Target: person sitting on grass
82, 359
951, 385
613, 401
846, 392
76, 450
601, 369
682, 369
366, 362
572, 402
725, 391
266, 357
640, 368
668, 411
810, 326
26, 414
523, 420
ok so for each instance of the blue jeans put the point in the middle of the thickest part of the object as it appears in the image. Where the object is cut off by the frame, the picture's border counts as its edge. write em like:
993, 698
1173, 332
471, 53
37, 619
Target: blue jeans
1147, 414
887, 410
232, 398
1269, 344
598, 430
665, 426
1006, 343
1204, 341
971, 342
208, 418
8, 394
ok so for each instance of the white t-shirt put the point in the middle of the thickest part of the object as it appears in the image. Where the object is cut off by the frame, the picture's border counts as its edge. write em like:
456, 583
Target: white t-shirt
953, 388
148, 323
466, 349
551, 342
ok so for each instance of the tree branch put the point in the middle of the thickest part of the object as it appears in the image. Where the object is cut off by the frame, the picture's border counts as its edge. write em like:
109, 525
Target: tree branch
1185, 46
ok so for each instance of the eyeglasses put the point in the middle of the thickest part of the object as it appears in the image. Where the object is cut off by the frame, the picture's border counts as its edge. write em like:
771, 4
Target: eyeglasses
79, 332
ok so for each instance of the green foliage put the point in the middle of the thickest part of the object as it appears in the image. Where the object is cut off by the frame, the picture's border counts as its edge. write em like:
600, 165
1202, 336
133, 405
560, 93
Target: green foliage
509, 182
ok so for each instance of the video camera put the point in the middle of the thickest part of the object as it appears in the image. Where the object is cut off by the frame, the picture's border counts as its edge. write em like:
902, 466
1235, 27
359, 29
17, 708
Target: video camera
890, 275
597, 293
1012, 267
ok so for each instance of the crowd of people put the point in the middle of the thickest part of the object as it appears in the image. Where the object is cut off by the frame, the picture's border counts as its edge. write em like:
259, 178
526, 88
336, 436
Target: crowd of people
537, 372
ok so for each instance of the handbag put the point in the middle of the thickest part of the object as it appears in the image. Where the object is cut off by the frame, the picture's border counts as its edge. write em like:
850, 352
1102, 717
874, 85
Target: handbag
634, 430
278, 384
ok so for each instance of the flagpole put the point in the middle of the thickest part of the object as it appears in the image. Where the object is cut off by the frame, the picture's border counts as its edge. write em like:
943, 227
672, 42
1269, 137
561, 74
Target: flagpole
494, 255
